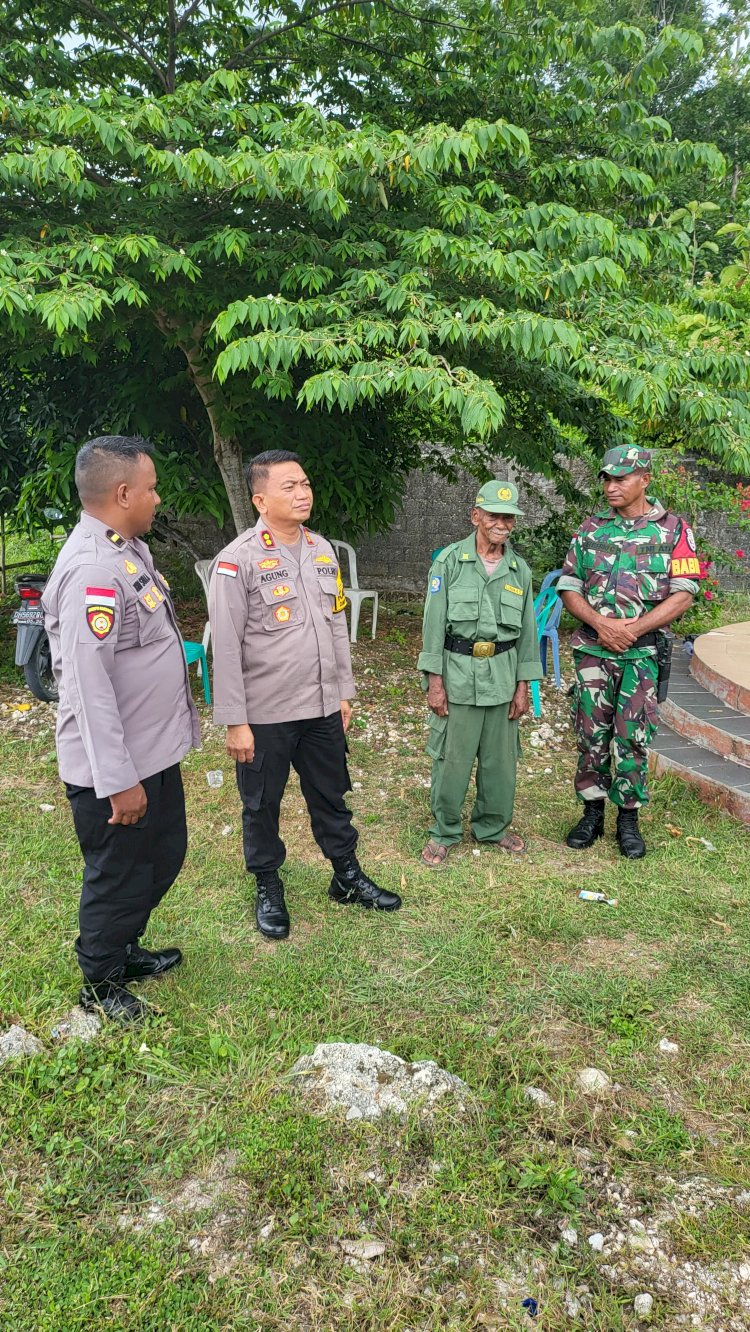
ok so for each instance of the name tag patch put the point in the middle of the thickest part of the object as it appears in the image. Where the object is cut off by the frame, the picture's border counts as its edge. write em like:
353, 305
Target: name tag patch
510, 588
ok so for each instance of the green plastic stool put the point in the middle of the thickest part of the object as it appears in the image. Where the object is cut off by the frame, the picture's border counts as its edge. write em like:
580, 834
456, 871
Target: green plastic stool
197, 652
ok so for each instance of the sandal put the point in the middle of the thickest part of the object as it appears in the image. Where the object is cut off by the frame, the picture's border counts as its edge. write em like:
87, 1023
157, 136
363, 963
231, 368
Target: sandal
509, 842
438, 853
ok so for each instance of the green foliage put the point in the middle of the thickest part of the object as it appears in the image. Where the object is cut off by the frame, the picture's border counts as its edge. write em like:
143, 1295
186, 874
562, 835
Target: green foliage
482, 251
555, 1185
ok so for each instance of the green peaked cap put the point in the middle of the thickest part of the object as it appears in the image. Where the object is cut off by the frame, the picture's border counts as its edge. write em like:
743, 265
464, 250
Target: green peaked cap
498, 497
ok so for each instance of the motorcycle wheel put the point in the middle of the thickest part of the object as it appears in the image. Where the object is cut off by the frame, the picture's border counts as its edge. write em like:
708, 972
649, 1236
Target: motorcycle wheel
38, 671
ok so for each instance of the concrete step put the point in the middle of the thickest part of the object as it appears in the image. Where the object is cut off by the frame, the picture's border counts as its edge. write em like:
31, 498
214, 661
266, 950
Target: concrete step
701, 717
718, 781
721, 663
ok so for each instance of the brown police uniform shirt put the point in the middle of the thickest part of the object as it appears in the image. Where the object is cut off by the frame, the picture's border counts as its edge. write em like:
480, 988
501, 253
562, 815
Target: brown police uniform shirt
125, 710
278, 630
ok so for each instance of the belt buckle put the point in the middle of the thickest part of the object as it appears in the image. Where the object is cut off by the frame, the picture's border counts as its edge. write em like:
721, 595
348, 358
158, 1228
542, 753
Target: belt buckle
483, 650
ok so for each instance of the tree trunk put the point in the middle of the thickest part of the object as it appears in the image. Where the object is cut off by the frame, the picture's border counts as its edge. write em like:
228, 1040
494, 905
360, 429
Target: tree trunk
228, 455
227, 448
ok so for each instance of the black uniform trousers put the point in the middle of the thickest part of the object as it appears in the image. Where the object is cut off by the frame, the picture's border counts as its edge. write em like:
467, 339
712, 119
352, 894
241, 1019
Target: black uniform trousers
316, 748
127, 870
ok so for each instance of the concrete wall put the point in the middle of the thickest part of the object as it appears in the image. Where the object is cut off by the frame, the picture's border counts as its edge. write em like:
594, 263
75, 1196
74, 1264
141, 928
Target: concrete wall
436, 512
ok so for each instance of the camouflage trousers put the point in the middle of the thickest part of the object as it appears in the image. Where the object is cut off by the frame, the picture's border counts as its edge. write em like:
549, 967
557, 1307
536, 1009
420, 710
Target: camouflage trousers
614, 714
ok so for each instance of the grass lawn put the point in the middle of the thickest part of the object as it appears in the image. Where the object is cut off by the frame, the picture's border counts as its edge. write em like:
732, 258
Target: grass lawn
169, 1178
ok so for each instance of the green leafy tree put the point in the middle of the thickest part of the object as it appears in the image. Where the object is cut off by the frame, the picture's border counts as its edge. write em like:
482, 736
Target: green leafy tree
450, 221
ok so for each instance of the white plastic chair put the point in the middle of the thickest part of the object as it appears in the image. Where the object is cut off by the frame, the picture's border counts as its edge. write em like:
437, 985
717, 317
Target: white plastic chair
354, 593
202, 568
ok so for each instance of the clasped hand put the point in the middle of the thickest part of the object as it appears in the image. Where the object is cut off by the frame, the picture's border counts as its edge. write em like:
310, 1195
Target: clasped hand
616, 634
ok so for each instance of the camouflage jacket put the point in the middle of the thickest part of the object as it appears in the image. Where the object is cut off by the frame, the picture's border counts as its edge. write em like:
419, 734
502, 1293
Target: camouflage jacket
626, 566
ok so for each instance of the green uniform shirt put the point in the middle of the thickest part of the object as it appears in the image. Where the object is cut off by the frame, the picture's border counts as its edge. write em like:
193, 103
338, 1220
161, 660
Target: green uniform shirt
626, 566
463, 599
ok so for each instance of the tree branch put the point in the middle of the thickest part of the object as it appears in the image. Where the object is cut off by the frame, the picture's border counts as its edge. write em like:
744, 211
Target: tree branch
187, 14
288, 27
129, 40
368, 46
172, 46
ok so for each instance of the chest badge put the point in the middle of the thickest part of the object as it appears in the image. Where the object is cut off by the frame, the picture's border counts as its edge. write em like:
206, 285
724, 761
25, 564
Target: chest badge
130, 568
282, 590
282, 614
149, 601
268, 564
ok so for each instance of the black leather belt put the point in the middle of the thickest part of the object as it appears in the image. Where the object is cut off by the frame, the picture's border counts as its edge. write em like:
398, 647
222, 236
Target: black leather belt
466, 647
645, 640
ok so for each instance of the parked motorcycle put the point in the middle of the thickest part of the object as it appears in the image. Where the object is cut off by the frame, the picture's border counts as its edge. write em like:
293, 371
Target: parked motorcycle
32, 644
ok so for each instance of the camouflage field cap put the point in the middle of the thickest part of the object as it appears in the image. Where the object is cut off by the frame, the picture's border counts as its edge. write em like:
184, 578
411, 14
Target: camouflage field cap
623, 461
498, 497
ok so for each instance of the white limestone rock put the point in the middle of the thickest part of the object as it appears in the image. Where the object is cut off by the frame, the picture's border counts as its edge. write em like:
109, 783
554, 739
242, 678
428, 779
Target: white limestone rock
17, 1043
77, 1025
539, 1097
367, 1082
593, 1080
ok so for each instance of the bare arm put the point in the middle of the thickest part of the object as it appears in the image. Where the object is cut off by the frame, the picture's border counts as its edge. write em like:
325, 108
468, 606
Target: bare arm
668, 610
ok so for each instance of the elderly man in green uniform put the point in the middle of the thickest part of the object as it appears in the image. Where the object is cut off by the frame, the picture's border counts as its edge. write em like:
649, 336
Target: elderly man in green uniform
630, 571
480, 650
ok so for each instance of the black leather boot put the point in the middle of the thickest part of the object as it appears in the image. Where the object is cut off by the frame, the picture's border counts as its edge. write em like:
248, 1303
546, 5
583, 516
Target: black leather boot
629, 837
350, 884
141, 963
114, 1001
588, 828
271, 915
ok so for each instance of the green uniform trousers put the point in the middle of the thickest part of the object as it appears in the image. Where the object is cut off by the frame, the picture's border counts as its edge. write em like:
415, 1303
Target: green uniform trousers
469, 733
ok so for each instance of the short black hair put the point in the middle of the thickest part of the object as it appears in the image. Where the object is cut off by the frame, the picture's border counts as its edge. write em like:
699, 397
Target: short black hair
105, 461
258, 467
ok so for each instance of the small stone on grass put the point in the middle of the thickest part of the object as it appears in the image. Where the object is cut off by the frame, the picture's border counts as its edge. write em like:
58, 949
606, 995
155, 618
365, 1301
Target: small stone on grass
17, 1043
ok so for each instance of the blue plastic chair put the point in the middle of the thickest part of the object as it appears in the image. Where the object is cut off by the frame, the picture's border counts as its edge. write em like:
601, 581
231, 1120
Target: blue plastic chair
547, 610
197, 652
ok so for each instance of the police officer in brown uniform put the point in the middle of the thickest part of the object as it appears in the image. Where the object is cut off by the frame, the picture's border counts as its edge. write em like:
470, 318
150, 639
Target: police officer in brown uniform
125, 719
283, 684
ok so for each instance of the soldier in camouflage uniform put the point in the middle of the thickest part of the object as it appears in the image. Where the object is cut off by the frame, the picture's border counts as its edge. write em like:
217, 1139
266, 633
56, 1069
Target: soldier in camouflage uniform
630, 570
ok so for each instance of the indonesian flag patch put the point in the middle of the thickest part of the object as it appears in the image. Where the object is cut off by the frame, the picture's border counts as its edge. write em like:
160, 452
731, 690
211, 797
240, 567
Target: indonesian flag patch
685, 562
100, 610
224, 567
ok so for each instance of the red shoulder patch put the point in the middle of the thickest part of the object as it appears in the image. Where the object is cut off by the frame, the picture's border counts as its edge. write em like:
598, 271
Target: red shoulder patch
685, 562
